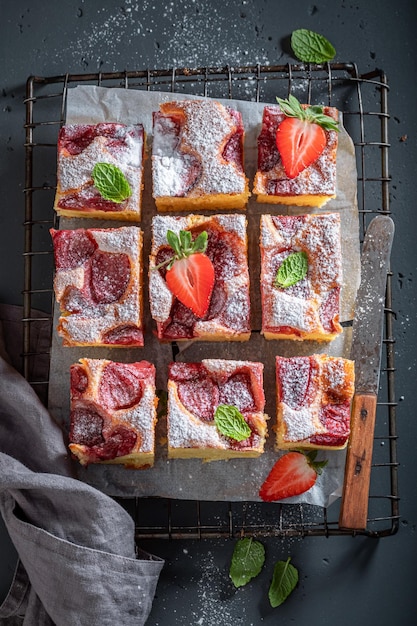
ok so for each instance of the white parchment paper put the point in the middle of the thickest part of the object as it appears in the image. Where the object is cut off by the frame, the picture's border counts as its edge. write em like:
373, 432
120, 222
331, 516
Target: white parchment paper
238, 479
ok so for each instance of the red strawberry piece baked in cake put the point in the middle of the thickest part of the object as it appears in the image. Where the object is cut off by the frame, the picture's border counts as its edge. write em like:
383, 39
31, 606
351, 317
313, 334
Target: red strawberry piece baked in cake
314, 395
301, 276
199, 279
113, 412
216, 410
100, 171
197, 157
98, 284
297, 154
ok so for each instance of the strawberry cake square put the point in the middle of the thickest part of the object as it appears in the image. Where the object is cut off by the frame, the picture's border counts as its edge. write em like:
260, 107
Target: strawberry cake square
301, 276
199, 278
98, 284
197, 157
314, 396
100, 171
216, 410
113, 412
297, 149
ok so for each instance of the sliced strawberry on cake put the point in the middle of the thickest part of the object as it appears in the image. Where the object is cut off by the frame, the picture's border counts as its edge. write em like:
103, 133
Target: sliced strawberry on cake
199, 278
98, 284
113, 412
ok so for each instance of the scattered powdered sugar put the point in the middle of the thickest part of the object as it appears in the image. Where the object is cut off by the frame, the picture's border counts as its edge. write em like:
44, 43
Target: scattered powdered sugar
161, 224
142, 417
67, 278
291, 311
302, 423
125, 239
185, 431
226, 367
160, 297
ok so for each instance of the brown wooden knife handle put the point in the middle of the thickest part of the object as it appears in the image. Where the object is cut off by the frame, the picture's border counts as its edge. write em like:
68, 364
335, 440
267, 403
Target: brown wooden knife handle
354, 507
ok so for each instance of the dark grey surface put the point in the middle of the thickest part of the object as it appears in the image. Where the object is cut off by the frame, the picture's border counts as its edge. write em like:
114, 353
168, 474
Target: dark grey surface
343, 580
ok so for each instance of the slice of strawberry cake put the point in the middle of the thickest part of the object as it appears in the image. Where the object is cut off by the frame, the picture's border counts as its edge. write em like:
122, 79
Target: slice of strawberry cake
216, 410
197, 157
98, 284
100, 171
199, 279
297, 154
113, 412
301, 276
314, 395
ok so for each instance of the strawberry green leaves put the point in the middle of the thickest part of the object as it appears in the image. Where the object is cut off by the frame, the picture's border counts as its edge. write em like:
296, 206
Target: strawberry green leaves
312, 114
311, 47
284, 580
111, 182
190, 273
231, 423
293, 269
247, 561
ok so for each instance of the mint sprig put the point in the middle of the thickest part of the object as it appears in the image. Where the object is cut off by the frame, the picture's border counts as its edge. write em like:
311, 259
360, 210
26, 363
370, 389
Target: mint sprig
293, 269
111, 182
231, 423
183, 246
247, 561
313, 114
311, 47
284, 580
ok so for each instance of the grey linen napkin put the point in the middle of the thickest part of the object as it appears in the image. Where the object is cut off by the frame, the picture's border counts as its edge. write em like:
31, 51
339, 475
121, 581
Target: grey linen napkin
77, 561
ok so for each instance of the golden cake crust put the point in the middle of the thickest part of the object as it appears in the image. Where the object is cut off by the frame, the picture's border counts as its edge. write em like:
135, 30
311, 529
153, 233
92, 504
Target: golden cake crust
310, 308
113, 412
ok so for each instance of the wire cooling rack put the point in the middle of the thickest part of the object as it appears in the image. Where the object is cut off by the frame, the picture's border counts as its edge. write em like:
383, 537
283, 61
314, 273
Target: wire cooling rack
363, 99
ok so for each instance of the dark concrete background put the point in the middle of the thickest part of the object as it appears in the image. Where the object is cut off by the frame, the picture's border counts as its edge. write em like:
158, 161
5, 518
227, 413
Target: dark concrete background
343, 580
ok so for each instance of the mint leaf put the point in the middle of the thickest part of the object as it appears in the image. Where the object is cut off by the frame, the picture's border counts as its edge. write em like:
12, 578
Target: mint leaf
292, 270
111, 182
231, 423
284, 580
311, 47
247, 561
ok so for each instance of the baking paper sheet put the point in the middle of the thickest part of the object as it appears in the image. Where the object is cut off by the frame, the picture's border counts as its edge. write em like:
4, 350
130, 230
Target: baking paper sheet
237, 479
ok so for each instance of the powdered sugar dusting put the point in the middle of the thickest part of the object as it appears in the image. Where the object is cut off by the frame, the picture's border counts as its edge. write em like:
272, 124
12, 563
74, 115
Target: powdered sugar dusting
300, 424
185, 431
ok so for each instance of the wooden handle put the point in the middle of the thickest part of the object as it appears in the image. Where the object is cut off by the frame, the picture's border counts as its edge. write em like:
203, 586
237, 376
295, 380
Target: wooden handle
354, 507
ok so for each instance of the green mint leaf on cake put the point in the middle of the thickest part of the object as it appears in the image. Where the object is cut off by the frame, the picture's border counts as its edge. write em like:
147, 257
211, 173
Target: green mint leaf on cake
247, 561
311, 47
284, 580
111, 182
292, 270
231, 423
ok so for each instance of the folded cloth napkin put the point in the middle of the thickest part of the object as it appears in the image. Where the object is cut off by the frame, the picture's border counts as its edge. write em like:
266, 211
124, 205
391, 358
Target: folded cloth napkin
77, 560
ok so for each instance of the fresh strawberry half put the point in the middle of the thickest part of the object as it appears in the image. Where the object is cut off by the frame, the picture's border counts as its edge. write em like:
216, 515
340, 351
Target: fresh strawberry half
190, 272
294, 473
301, 136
